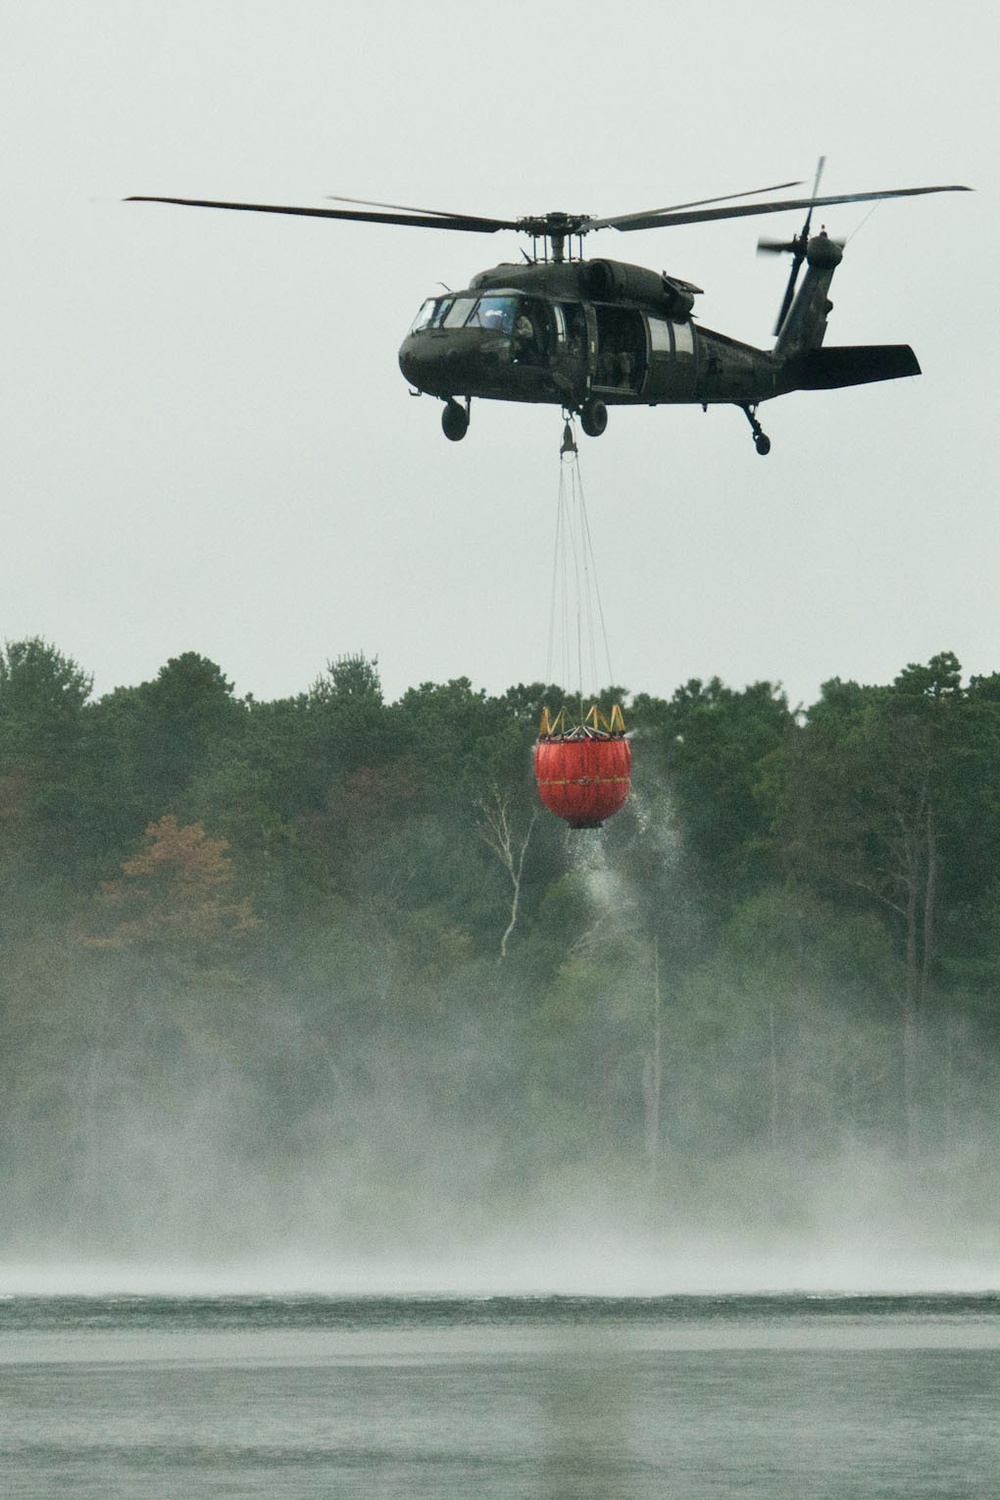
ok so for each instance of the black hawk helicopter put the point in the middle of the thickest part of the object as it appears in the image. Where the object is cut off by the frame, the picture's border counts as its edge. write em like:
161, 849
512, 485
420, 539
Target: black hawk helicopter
588, 334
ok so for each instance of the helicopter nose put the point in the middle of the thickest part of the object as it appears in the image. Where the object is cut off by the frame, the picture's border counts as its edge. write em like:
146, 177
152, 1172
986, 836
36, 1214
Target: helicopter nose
411, 364
443, 371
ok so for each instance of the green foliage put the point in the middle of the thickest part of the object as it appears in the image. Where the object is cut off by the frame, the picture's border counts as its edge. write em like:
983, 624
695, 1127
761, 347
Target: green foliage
42, 694
790, 935
714, 745
43, 697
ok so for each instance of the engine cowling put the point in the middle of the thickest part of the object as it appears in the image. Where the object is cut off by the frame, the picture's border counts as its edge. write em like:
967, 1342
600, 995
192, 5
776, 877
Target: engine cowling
614, 281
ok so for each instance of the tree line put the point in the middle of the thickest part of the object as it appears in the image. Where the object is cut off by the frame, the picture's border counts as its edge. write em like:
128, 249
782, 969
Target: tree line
248, 939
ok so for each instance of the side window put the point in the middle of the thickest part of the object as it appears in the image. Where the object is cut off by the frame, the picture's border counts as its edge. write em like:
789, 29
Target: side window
659, 336
684, 339
576, 326
531, 331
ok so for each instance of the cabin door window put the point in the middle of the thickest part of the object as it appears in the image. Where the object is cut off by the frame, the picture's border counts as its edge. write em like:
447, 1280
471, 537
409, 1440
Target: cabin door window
621, 348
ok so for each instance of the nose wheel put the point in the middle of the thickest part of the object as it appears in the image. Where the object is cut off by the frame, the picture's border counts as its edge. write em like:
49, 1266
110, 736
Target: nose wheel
761, 441
455, 420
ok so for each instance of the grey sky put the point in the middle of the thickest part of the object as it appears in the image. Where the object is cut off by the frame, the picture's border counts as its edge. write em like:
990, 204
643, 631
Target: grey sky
207, 444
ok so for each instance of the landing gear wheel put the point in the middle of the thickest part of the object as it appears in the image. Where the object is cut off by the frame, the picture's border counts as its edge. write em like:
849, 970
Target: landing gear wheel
761, 441
593, 417
454, 421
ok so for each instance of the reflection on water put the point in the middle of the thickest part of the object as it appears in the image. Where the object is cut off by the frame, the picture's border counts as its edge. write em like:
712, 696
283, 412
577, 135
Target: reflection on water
559, 1398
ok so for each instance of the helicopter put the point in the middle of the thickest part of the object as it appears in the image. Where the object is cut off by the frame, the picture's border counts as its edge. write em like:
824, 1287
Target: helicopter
584, 334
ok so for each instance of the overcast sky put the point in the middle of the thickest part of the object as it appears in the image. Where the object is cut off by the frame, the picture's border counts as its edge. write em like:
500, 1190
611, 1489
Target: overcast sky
206, 441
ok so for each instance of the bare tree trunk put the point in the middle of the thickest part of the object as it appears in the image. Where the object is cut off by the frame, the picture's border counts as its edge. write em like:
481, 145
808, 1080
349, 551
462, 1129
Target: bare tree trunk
930, 894
949, 1086
497, 832
653, 1072
773, 1059
910, 1022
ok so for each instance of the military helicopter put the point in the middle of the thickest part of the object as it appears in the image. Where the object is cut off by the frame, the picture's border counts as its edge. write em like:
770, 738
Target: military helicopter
588, 334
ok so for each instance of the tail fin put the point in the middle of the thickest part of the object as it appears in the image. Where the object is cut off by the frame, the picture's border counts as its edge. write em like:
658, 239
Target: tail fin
804, 325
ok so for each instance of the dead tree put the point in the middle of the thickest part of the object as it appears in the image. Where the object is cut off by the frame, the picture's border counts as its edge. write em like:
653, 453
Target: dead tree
498, 833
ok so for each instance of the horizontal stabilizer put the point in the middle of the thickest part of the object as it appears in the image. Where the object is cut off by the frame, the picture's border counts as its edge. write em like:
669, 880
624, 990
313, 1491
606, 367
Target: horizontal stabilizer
825, 369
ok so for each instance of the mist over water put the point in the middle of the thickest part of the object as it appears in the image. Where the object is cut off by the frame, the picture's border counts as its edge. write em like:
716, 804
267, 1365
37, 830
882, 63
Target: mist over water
145, 1163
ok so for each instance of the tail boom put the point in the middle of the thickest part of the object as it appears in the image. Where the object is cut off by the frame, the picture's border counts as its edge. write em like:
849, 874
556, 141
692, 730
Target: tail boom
858, 364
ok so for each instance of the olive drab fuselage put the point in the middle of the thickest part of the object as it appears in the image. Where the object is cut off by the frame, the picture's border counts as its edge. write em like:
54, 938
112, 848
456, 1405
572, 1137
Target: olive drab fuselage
589, 334
570, 332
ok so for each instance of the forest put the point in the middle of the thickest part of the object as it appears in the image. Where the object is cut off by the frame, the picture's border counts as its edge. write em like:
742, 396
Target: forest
322, 969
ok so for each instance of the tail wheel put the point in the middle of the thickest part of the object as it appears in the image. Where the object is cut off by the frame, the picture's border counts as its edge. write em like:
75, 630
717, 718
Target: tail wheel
593, 417
761, 441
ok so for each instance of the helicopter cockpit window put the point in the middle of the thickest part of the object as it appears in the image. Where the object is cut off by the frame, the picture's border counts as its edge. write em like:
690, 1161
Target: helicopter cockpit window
424, 316
494, 313
441, 309
457, 313
432, 314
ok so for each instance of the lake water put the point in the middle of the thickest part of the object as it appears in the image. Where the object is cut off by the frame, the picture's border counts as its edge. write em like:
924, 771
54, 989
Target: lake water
676, 1398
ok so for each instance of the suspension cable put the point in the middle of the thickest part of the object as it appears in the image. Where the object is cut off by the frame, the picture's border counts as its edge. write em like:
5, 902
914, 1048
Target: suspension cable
576, 613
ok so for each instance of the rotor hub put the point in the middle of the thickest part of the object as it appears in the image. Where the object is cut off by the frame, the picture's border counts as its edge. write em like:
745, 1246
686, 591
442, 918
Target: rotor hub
556, 228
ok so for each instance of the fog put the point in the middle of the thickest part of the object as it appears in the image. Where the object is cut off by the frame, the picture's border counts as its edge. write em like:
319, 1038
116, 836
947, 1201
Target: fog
210, 1141
569, 1248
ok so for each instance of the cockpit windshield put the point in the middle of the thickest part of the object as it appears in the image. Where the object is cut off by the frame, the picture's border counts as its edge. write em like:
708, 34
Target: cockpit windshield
496, 313
424, 316
434, 312
458, 312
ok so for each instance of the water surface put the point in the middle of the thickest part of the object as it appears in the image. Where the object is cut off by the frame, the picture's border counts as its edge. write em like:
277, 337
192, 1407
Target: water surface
569, 1397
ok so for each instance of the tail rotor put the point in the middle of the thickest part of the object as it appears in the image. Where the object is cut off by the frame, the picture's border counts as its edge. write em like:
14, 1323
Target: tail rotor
796, 248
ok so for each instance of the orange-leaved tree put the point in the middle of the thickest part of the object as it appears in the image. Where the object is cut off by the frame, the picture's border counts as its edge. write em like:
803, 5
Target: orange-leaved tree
174, 892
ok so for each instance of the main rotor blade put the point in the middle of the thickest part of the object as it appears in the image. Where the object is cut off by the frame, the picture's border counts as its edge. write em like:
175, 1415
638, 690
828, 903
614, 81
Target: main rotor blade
804, 236
621, 220
405, 208
663, 220
474, 226
819, 172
